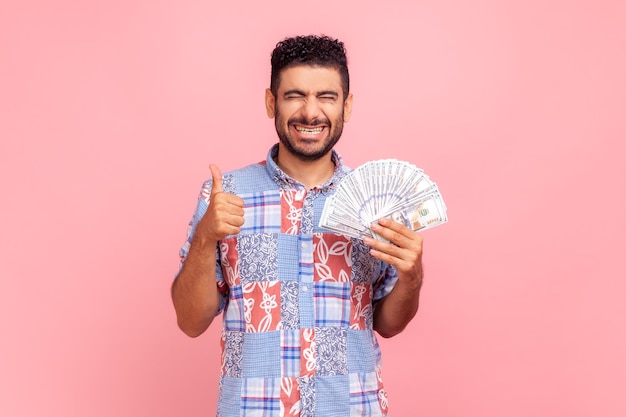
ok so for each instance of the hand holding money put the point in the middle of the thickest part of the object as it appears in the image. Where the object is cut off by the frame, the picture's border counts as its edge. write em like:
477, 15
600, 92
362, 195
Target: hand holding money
386, 188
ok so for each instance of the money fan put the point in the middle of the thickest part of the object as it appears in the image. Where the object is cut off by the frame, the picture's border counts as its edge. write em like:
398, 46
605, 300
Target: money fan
383, 188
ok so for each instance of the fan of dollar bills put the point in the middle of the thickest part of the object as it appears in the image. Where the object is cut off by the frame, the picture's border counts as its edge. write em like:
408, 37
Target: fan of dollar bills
383, 188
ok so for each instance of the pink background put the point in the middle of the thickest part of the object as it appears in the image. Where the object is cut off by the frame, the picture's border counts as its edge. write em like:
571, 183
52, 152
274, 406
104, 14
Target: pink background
111, 111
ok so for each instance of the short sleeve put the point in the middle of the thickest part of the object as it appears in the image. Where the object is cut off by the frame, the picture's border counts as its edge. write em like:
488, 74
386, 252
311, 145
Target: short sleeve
201, 208
385, 283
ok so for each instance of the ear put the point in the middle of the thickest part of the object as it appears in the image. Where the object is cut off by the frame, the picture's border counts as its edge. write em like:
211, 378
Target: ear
347, 108
270, 103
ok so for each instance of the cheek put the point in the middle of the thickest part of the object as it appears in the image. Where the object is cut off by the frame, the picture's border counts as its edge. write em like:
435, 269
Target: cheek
333, 110
335, 115
281, 119
284, 112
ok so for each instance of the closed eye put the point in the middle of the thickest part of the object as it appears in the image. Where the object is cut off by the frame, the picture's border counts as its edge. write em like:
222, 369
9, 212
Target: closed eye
294, 94
327, 95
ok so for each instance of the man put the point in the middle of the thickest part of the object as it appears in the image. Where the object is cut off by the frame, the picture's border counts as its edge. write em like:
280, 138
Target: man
300, 303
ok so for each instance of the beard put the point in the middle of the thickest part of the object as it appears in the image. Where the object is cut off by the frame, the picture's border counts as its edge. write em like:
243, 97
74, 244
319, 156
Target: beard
302, 153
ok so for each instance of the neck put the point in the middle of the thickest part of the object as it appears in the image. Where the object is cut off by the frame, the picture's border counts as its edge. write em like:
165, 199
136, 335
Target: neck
309, 173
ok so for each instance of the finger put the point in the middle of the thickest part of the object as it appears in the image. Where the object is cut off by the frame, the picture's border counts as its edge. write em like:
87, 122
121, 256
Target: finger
216, 174
394, 225
398, 235
389, 230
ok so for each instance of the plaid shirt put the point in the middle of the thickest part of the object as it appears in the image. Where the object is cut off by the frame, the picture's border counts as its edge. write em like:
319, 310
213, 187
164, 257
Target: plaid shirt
298, 301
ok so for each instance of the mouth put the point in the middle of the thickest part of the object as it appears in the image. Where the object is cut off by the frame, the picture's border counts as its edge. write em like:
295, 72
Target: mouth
309, 131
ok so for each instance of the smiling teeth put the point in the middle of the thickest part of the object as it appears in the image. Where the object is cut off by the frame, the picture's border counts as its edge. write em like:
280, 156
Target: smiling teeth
307, 131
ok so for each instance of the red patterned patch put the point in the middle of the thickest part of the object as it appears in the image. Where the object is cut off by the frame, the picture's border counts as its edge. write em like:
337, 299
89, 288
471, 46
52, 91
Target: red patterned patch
291, 203
361, 298
290, 404
222, 353
261, 306
307, 352
382, 394
332, 257
229, 257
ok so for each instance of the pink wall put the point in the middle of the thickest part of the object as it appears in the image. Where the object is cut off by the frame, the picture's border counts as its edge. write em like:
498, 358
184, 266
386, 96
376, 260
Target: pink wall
111, 111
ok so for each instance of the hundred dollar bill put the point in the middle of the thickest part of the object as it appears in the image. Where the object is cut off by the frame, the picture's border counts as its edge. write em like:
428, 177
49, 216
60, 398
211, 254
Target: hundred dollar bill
409, 200
337, 220
429, 213
425, 214
383, 188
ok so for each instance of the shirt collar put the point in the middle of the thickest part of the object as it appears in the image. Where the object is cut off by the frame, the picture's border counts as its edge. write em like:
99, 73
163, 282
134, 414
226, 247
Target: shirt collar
285, 181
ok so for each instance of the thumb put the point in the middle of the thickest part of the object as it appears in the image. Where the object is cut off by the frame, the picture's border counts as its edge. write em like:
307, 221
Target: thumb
216, 174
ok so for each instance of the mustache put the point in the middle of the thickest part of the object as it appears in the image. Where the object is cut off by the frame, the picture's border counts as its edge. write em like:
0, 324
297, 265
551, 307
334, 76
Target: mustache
303, 121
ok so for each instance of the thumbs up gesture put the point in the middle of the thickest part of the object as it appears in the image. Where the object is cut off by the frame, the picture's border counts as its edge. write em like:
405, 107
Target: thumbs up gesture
224, 215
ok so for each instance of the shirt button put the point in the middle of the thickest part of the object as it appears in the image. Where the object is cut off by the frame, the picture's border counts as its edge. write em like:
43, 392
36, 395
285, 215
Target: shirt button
304, 245
305, 288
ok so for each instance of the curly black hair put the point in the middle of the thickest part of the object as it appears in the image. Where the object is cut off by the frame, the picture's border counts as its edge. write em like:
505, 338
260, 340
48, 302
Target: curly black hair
312, 50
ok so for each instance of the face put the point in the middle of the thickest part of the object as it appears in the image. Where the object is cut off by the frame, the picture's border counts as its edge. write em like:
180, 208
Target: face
309, 110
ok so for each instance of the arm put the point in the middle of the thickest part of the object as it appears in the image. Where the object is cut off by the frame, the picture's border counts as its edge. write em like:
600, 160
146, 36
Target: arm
397, 309
194, 291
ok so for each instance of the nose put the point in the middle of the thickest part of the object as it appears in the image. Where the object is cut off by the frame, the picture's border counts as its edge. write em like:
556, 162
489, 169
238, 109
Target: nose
311, 109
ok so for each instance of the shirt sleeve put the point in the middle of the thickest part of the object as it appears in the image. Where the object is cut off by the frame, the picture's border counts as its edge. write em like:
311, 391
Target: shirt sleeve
385, 283
201, 208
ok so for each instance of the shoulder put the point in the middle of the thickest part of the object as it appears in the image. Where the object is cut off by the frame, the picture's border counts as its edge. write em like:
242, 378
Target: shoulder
250, 178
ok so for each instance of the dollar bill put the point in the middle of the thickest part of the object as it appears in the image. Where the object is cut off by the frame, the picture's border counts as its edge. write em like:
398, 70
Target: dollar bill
383, 188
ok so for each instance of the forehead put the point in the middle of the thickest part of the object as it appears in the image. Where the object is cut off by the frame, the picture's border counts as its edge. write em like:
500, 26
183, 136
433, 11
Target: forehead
310, 79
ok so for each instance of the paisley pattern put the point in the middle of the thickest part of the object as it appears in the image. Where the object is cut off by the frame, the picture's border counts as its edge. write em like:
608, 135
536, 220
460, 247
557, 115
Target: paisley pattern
307, 396
257, 257
365, 268
289, 306
307, 213
232, 347
331, 350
